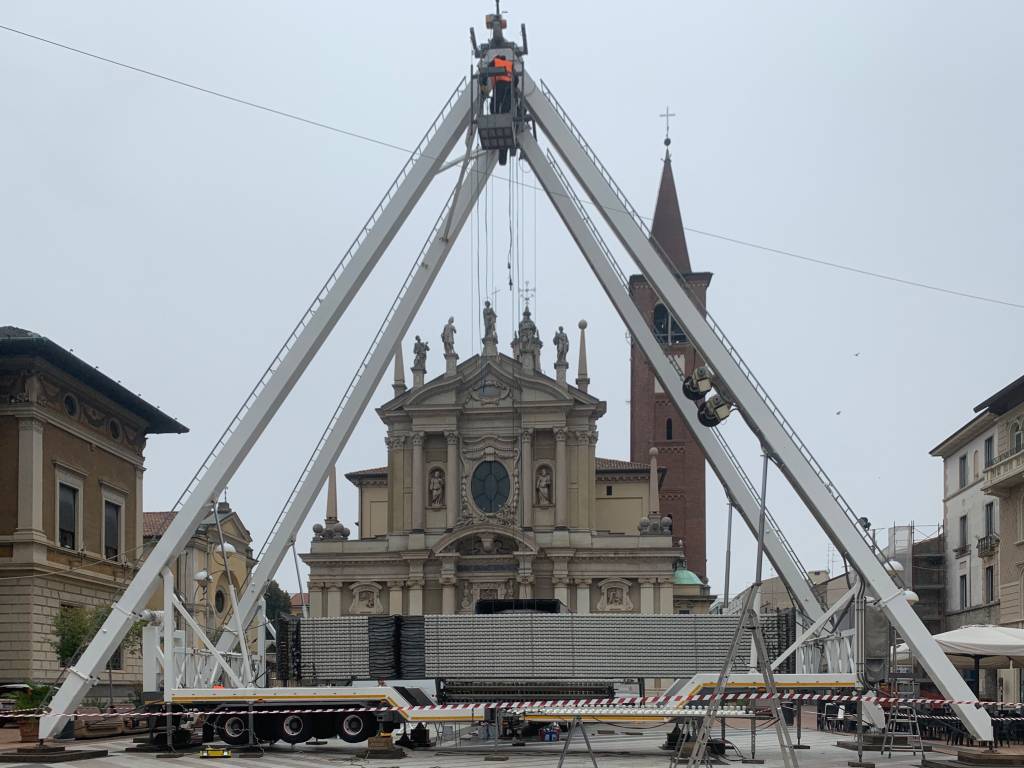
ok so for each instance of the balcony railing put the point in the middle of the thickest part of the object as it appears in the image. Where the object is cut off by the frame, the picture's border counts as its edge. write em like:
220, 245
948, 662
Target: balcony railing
962, 550
988, 545
991, 461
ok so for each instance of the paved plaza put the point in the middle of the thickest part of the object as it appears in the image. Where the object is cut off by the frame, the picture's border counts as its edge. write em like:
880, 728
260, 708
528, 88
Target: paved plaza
615, 747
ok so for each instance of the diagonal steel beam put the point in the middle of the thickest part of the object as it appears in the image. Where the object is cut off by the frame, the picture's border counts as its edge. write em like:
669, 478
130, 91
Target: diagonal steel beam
264, 402
364, 384
761, 415
599, 259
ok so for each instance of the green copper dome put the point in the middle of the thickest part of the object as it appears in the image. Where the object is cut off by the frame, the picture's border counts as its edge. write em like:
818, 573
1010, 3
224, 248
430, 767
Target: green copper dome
683, 576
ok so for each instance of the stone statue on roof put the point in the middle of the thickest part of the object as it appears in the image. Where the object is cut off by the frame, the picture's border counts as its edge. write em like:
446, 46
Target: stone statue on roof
490, 323
419, 354
448, 337
561, 342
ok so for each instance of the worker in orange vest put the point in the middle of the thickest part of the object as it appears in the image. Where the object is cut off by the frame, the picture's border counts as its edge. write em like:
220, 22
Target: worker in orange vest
501, 93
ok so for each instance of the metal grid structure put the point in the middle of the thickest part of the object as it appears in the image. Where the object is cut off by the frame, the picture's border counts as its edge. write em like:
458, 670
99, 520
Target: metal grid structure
522, 646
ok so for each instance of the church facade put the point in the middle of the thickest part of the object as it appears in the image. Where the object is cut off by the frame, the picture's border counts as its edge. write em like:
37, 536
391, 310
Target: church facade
493, 489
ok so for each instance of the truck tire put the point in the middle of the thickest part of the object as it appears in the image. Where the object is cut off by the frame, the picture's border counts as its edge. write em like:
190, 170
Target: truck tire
233, 729
355, 728
294, 729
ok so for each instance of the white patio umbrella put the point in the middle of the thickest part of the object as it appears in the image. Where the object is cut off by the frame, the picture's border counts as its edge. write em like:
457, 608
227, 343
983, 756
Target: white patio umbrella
978, 646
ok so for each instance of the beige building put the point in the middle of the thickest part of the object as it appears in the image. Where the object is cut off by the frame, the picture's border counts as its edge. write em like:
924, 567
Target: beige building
493, 489
201, 570
1004, 480
71, 494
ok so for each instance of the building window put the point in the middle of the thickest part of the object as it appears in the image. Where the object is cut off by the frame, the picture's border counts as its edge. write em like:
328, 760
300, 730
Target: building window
976, 465
111, 529
990, 451
490, 486
963, 592
67, 515
1016, 437
990, 584
607, 490
666, 329
1020, 520
963, 531
963, 470
70, 405
990, 518
116, 659
218, 600
668, 429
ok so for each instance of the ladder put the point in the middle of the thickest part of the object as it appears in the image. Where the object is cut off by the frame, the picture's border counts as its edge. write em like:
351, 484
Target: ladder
902, 722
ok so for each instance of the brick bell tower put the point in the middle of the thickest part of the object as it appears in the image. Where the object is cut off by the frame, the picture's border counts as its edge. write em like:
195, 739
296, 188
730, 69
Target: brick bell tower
654, 420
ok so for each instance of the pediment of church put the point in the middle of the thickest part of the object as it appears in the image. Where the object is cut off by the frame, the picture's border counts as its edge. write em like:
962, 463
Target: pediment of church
492, 382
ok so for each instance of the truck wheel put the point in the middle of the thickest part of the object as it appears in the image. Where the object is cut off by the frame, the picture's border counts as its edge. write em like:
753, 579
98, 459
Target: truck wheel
354, 728
234, 730
294, 729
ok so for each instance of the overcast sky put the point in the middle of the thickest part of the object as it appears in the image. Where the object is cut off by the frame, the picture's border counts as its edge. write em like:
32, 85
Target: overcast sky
174, 238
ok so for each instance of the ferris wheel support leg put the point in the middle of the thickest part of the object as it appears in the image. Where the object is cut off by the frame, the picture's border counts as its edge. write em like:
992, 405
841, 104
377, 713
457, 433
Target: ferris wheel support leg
432, 259
641, 333
764, 421
253, 421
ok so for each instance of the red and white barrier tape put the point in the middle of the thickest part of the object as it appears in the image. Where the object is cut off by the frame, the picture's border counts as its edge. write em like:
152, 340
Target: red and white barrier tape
617, 701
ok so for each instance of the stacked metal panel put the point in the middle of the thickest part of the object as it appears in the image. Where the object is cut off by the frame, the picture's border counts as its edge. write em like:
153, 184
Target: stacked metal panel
334, 649
558, 646
516, 646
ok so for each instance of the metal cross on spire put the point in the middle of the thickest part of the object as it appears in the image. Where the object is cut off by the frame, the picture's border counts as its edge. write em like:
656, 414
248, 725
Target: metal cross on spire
668, 116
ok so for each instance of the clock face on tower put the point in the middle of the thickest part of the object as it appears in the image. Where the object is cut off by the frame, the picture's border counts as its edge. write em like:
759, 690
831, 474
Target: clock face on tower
490, 486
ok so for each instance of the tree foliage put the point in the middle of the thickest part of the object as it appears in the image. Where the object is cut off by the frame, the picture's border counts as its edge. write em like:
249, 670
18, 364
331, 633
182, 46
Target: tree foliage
75, 626
279, 602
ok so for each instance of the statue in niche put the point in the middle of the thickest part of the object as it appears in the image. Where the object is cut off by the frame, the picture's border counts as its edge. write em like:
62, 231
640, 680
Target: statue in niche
365, 600
448, 337
490, 322
561, 342
419, 354
436, 488
614, 596
543, 487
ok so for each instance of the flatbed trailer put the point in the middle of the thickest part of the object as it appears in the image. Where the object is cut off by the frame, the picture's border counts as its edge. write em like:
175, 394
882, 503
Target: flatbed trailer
294, 715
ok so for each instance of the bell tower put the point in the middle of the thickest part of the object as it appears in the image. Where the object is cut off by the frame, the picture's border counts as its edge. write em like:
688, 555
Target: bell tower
654, 421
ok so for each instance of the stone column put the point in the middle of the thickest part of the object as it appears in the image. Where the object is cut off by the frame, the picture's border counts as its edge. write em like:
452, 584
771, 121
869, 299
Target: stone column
415, 597
139, 507
333, 601
30, 476
528, 480
448, 597
561, 480
417, 481
525, 587
582, 596
395, 597
646, 595
452, 480
316, 600
561, 584
524, 576
664, 595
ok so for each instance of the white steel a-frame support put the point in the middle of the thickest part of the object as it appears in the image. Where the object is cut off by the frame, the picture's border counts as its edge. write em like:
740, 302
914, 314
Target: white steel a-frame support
733, 379
368, 376
267, 397
737, 383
